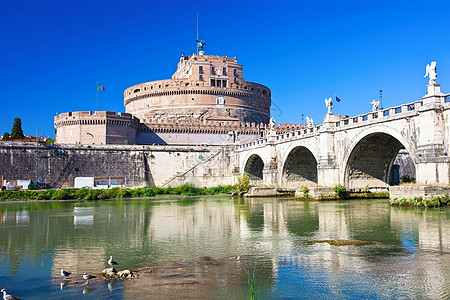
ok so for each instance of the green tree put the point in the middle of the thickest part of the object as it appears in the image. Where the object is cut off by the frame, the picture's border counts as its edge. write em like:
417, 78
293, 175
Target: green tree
17, 132
6, 136
243, 184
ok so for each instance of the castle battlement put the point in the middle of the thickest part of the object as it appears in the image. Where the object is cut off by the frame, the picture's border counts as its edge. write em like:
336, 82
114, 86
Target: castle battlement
99, 128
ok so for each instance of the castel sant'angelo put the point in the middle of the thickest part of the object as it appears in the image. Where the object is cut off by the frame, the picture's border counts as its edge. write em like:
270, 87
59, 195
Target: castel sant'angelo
206, 102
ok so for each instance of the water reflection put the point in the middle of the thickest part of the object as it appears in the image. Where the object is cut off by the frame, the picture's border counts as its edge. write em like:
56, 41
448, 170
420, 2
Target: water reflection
409, 257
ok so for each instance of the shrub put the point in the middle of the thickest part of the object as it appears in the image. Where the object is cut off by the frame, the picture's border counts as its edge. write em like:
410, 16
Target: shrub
81, 193
59, 195
124, 193
340, 191
407, 179
305, 192
243, 184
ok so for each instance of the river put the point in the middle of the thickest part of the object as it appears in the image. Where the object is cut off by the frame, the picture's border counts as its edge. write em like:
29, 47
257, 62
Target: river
287, 244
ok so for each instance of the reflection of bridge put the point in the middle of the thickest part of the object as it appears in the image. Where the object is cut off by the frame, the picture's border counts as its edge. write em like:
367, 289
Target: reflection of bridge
356, 151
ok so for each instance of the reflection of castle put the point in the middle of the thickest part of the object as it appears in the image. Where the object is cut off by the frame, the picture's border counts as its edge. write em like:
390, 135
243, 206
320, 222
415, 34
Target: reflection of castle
207, 101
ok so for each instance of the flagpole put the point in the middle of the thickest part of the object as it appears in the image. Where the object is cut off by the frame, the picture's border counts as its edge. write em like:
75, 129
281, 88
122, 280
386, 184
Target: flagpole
197, 33
97, 98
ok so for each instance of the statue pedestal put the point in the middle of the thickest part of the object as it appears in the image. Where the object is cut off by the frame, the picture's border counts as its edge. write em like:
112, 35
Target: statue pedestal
434, 89
434, 94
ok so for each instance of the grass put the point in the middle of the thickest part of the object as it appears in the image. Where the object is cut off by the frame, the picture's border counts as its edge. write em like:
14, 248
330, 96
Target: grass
255, 284
186, 189
421, 202
355, 196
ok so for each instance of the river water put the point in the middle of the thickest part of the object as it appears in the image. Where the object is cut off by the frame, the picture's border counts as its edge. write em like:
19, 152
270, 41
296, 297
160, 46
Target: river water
283, 242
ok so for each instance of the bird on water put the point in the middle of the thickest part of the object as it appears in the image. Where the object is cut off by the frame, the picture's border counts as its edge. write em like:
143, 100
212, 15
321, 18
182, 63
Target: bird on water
87, 276
111, 262
65, 273
7, 296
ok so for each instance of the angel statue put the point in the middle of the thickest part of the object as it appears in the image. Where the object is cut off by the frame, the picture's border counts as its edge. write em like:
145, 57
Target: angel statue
200, 45
272, 123
309, 121
375, 105
431, 71
329, 105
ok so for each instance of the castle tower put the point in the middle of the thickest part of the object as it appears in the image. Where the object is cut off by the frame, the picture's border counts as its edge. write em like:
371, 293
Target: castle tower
203, 88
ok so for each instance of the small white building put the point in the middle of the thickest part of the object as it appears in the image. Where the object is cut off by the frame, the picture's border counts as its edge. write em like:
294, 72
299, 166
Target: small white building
99, 182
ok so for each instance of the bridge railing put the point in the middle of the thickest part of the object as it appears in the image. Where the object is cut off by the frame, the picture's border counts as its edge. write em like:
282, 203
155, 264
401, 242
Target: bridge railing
304, 132
390, 112
380, 114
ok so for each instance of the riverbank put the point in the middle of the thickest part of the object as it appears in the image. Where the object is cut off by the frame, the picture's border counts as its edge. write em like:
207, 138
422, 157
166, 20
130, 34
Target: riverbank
122, 193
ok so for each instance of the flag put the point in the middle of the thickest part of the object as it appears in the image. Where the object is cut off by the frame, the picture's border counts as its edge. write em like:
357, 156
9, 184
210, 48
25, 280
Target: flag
100, 87
337, 99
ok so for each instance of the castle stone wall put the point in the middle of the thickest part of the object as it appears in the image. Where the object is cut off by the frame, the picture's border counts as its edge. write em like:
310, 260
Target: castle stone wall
141, 166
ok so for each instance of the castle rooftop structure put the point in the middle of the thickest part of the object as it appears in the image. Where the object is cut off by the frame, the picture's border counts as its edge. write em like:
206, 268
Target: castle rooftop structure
203, 88
99, 128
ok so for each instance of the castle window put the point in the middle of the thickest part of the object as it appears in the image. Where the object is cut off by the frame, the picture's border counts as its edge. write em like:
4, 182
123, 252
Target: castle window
235, 80
137, 90
219, 82
220, 100
200, 69
200, 77
159, 86
259, 90
151, 87
235, 72
213, 70
264, 92
224, 71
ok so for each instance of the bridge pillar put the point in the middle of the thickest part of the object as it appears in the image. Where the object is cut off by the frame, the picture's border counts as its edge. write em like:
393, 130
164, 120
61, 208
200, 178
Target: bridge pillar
270, 172
327, 167
432, 162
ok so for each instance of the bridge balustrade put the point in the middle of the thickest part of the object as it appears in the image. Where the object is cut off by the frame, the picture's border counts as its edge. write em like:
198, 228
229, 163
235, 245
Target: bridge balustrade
392, 111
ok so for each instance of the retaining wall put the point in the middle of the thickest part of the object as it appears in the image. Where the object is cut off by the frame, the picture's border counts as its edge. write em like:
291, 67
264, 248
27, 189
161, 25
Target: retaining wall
58, 165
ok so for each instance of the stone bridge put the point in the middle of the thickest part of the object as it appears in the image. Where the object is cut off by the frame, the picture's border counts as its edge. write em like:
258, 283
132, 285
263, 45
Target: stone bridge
356, 151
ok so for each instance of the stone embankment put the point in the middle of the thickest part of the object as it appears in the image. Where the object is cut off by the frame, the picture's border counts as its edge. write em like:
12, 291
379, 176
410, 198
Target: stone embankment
420, 195
269, 192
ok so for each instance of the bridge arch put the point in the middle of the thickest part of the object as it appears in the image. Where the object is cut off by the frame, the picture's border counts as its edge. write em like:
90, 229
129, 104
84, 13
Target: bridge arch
299, 168
254, 167
370, 157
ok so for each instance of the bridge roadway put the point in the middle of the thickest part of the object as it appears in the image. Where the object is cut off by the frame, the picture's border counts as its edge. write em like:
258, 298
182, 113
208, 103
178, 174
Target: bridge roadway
357, 151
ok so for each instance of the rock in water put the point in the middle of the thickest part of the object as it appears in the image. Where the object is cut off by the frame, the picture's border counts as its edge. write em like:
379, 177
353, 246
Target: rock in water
109, 272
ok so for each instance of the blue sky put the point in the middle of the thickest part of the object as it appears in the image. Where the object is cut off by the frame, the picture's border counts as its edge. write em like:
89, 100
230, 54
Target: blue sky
53, 52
